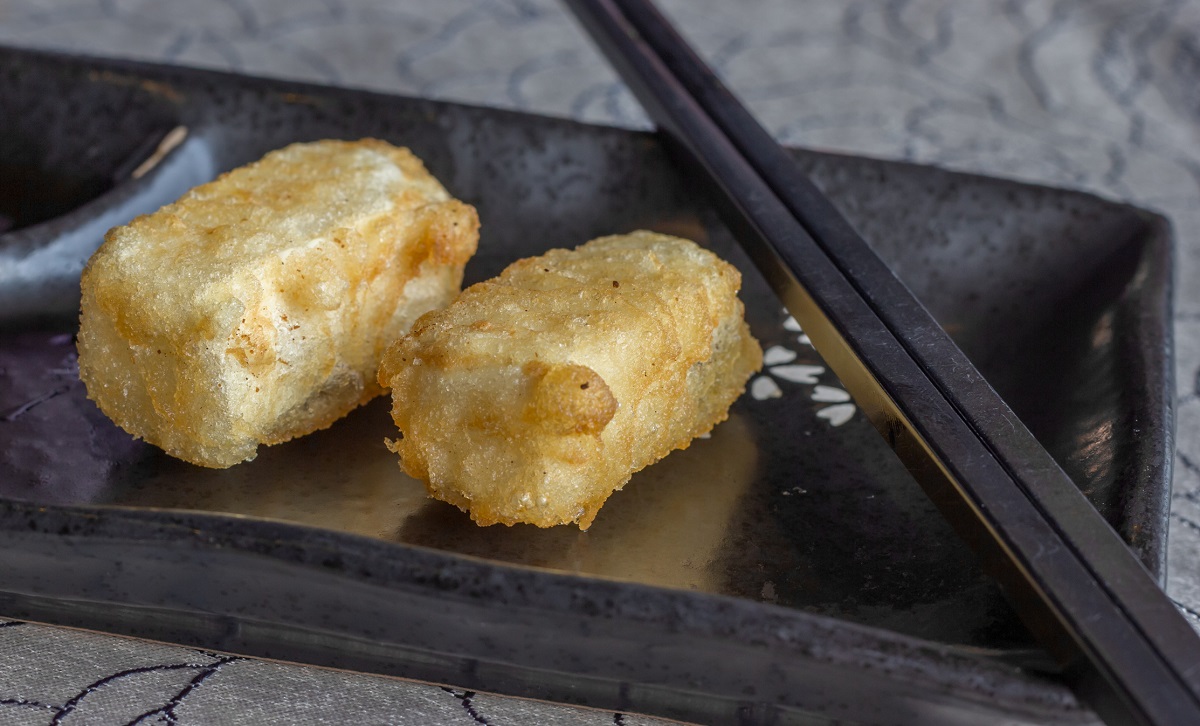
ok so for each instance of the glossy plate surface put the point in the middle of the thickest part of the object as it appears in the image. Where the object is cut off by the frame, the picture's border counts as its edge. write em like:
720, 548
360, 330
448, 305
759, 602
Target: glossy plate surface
794, 511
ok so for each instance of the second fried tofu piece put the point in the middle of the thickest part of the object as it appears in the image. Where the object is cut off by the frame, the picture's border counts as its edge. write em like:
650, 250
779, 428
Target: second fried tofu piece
538, 394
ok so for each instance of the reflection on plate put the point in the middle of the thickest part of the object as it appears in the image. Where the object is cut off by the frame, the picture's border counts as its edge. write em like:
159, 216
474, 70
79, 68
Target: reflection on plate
664, 528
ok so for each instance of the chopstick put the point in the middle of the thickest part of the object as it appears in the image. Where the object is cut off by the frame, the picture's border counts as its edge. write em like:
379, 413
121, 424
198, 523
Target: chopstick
1122, 643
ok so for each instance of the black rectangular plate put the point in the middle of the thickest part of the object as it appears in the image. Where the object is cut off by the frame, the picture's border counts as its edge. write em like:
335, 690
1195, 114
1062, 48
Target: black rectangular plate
776, 569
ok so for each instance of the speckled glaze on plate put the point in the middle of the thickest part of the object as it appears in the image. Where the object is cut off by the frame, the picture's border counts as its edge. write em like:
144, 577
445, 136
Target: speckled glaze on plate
777, 571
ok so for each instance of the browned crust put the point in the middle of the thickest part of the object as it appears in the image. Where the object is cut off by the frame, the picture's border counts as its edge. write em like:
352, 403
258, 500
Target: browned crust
257, 307
539, 393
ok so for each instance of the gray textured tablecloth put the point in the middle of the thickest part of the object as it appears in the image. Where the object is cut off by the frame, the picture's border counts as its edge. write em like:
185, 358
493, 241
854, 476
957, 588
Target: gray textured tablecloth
1102, 95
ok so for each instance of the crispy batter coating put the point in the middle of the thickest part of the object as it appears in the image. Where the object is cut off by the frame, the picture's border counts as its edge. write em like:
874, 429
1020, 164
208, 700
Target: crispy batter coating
257, 307
539, 393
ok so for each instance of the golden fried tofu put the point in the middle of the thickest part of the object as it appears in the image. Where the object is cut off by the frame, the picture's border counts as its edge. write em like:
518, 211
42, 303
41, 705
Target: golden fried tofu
538, 394
257, 307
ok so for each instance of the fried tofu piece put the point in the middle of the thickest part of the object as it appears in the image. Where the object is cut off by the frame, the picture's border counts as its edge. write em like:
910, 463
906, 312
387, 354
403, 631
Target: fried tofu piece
538, 394
257, 307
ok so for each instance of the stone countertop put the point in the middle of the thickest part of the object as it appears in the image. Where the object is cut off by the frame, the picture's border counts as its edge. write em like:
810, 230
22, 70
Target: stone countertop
1099, 95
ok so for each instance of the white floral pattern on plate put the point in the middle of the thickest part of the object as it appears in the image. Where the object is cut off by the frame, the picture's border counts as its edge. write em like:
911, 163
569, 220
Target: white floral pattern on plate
779, 365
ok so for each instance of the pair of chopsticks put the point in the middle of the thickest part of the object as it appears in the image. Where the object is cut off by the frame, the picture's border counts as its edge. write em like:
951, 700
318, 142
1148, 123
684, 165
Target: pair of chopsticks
1125, 648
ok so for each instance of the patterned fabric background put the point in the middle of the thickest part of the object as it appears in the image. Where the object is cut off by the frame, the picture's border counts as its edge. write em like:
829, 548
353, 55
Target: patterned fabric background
1102, 95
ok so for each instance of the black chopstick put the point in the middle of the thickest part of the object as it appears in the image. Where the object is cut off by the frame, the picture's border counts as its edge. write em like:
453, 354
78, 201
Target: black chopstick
1079, 589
